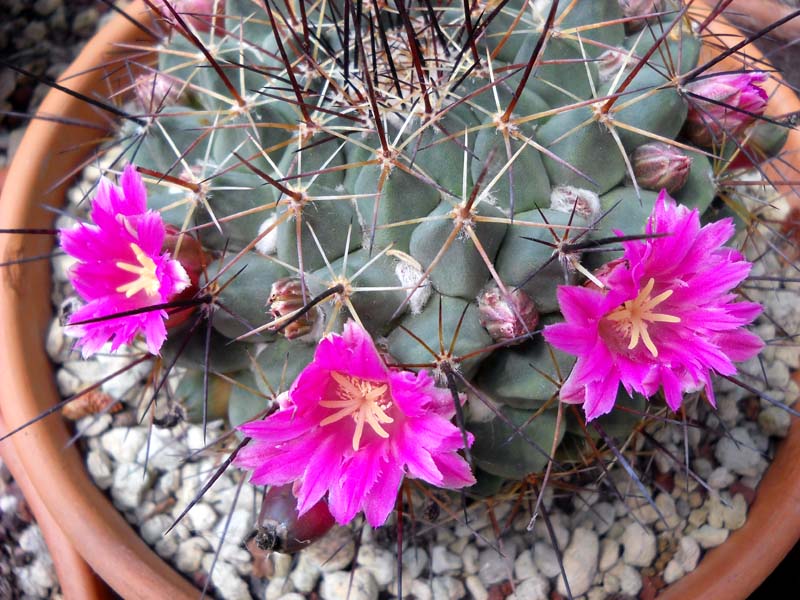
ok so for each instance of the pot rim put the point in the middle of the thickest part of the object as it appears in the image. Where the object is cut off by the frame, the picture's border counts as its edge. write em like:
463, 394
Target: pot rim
88, 519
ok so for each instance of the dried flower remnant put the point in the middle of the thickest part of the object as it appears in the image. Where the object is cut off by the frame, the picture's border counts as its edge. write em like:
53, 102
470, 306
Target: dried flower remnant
724, 105
121, 267
352, 428
665, 319
507, 316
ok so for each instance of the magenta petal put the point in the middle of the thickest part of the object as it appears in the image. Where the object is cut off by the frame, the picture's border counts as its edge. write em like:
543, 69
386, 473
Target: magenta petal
359, 475
455, 470
381, 499
666, 318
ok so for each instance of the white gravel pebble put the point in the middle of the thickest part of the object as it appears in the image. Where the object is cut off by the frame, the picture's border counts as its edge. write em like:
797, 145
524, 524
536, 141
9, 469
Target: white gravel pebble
673, 572
378, 561
640, 545
476, 588
333, 552
229, 584
189, 555
524, 566
546, 559
533, 588
737, 454
336, 586
775, 421
580, 562
447, 588
609, 554
129, 486
415, 560
495, 567
688, 554
710, 537
720, 478
123, 443
443, 561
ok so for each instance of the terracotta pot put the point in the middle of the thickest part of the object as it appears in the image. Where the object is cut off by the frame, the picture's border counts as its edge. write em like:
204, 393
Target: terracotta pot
89, 521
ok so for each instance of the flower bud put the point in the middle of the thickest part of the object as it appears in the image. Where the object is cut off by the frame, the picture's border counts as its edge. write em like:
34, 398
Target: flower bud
199, 14
281, 529
639, 8
506, 317
194, 260
154, 91
658, 165
737, 101
285, 297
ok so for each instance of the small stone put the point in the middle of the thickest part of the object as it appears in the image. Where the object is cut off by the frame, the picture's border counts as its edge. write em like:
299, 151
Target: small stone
476, 588
609, 554
703, 467
561, 532
381, 563
129, 486
610, 583
730, 517
471, 557
774, 421
580, 562
710, 537
123, 443
415, 561
100, 468
666, 505
720, 478
153, 528
688, 554
421, 590
166, 547
305, 575
336, 585
164, 452
85, 22
546, 559
333, 552
45, 7
493, 566
736, 452
443, 561
630, 582
533, 588
602, 515
189, 555
202, 517
640, 545
228, 583
446, 588
235, 529
524, 566
673, 572
278, 588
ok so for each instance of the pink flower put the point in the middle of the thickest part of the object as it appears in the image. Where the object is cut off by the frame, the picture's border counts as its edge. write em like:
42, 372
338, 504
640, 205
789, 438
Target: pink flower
665, 319
352, 428
736, 98
121, 268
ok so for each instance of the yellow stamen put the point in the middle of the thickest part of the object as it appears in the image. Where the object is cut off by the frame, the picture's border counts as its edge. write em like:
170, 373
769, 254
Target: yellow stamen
145, 271
633, 317
361, 400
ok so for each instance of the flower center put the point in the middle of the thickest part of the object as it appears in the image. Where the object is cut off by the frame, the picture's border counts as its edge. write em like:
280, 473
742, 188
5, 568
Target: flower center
633, 317
146, 279
361, 400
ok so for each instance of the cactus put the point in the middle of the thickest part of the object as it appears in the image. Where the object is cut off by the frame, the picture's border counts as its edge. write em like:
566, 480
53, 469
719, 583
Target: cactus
425, 173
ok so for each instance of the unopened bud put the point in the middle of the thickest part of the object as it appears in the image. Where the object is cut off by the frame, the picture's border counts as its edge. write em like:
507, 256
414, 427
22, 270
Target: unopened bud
194, 260
508, 316
154, 91
285, 298
733, 102
200, 14
639, 8
281, 529
660, 166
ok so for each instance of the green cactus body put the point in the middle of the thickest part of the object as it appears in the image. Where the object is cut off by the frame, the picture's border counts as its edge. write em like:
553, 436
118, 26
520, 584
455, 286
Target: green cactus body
338, 165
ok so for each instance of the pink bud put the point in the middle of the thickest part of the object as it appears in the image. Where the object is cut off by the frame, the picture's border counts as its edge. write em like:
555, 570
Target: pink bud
506, 317
639, 8
658, 165
154, 91
281, 529
286, 297
199, 14
737, 101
